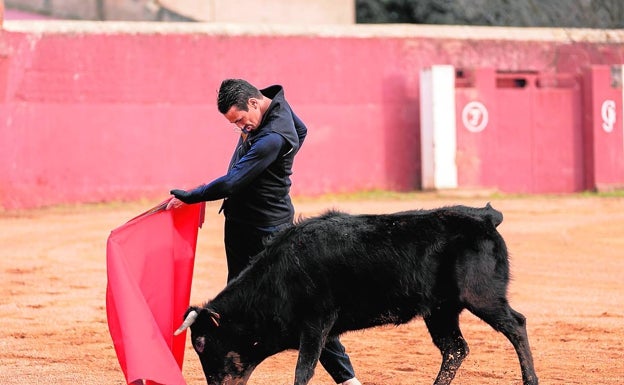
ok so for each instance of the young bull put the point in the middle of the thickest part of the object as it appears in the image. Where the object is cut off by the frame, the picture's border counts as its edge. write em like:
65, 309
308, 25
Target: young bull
337, 272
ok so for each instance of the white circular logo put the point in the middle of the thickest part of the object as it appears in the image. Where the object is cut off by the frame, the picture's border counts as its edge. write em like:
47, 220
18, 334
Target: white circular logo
608, 115
475, 116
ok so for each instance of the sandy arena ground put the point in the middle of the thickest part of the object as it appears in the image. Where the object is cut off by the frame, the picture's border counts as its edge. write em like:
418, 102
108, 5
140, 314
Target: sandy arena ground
567, 257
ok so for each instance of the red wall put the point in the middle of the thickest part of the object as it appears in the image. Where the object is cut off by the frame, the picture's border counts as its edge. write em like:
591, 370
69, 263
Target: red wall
108, 111
533, 142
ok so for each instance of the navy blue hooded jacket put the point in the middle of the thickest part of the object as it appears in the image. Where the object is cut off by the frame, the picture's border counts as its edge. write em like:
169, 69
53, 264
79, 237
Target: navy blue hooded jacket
256, 187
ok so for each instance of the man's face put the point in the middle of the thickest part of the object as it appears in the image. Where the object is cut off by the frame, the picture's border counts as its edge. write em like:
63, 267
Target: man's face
246, 121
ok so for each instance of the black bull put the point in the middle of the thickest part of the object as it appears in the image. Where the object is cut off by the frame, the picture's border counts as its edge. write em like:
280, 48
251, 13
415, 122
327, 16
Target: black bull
337, 272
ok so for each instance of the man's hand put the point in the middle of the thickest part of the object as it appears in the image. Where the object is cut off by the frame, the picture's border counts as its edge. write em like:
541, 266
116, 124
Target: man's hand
180, 198
174, 203
182, 195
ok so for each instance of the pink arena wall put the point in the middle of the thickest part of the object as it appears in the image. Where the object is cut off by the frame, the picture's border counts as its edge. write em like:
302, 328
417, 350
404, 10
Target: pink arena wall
109, 111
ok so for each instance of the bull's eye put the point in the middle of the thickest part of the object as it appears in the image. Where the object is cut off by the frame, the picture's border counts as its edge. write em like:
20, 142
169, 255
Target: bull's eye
199, 344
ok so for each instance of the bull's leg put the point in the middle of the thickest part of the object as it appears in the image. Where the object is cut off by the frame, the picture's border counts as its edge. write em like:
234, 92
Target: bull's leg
513, 326
443, 325
311, 343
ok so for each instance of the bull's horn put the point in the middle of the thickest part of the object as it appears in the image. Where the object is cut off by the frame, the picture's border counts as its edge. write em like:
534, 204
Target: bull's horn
190, 318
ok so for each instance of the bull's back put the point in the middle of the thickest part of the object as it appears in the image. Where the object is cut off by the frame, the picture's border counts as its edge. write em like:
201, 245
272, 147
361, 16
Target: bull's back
381, 269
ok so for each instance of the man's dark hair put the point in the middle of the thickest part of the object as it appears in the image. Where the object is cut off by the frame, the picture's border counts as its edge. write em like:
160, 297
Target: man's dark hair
235, 92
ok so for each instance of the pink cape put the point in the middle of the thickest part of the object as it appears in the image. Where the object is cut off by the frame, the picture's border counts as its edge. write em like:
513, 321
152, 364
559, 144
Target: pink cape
149, 263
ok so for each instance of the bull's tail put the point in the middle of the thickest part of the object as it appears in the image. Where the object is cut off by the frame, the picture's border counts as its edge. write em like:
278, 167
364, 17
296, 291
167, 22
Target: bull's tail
495, 216
487, 213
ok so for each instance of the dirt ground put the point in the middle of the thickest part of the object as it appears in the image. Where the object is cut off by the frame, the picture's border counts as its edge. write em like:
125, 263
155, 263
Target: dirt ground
567, 258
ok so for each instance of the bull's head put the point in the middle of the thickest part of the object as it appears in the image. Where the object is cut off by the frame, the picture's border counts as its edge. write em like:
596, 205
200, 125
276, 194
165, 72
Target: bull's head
227, 355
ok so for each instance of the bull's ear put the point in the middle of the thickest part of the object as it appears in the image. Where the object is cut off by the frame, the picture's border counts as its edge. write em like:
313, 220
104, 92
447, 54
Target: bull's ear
214, 316
207, 312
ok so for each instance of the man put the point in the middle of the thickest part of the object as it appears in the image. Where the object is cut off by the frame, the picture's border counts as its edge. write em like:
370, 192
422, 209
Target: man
256, 188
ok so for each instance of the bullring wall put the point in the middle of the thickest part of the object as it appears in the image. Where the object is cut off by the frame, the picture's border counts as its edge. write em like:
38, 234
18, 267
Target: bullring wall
107, 111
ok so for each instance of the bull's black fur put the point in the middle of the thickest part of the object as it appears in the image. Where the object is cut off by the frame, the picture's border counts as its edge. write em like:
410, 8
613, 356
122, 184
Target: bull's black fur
338, 272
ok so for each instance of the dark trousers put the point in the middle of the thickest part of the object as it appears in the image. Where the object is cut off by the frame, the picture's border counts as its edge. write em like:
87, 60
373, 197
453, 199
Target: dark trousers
242, 242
